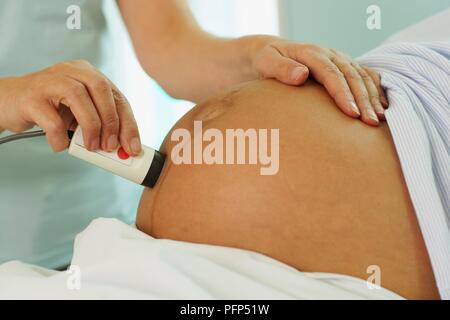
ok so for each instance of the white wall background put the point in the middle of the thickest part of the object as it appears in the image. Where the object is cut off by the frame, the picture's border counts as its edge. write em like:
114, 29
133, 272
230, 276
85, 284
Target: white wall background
342, 24
155, 111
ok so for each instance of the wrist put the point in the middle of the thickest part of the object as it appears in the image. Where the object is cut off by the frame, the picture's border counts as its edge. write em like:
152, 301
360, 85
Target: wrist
4, 89
2, 82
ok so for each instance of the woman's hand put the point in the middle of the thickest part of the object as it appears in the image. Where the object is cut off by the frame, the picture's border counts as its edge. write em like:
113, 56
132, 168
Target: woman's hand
356, 89
64, 94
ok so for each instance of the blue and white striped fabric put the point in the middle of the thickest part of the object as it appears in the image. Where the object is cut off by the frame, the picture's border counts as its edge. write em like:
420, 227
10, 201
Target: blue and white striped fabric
417, 80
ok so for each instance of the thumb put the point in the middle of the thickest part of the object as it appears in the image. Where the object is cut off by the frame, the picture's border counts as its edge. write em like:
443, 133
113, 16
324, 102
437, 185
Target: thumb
284, 69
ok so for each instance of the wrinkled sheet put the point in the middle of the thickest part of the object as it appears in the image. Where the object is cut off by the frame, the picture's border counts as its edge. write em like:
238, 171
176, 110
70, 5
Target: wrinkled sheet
117, 261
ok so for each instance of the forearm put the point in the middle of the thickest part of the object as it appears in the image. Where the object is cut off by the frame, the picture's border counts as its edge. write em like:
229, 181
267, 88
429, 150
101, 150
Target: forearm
3, 88
199, 64
186, 61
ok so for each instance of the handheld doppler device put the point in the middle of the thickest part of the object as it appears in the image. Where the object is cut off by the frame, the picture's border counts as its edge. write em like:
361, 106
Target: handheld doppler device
143, 169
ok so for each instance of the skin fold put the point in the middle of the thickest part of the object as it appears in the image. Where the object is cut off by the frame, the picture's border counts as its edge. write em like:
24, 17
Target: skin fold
338, 203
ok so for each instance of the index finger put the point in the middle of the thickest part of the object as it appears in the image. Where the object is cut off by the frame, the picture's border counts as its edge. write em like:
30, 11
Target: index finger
76, 97
329, 75
128, 132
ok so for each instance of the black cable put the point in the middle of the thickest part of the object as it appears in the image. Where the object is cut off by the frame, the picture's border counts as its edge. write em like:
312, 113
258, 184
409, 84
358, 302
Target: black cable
20, 136
28, 134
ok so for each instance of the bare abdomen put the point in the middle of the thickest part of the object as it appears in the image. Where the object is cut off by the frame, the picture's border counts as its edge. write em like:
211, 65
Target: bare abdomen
338, 203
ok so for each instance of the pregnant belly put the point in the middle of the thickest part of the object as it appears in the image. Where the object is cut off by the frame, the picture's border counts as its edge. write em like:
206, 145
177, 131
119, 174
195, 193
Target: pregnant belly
338, 202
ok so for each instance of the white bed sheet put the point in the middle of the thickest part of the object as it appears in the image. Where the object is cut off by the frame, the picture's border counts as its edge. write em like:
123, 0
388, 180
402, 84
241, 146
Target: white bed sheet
117, 261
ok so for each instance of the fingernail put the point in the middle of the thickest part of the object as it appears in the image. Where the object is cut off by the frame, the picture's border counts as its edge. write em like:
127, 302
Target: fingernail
95, 144
297, 72
112, 143
135, 145
355, 108
373, 116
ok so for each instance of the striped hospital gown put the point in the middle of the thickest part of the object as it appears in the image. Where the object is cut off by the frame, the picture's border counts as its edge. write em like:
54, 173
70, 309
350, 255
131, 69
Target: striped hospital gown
417, 79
